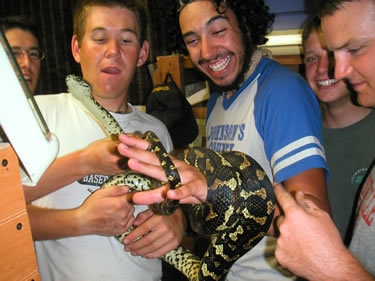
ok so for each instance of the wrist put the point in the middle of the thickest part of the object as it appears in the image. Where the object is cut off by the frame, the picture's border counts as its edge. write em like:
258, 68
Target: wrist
84, 168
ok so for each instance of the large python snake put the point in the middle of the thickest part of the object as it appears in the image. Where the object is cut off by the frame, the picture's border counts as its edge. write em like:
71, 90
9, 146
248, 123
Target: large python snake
239, 206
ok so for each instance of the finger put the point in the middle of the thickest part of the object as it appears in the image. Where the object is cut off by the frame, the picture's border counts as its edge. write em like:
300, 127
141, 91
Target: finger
133, 141
152, 245
114, 191
186, 194
143, 216
155, 252
147, 168
150, 196
284, 198
134, 238
137, 153
279, 221
307, 204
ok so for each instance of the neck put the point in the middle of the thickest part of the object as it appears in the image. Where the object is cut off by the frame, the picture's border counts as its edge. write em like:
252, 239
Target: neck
125, 109
335, 117
115, 105
256, 56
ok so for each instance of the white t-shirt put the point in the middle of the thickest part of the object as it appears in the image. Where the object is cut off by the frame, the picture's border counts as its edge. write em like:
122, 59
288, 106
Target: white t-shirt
89, 257
363, 241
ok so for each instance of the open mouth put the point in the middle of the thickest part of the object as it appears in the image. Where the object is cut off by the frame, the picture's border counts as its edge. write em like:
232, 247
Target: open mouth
326, 83
27, 77
220, 65
112, 70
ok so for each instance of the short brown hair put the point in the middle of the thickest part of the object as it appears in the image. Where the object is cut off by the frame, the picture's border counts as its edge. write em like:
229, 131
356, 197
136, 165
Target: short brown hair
82, 7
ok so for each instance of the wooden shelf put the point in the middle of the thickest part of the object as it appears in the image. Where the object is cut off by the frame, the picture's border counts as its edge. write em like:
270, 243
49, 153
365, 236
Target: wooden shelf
17, 253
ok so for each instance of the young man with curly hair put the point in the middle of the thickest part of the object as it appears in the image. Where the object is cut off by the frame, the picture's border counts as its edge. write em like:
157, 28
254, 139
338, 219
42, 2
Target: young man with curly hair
257, 106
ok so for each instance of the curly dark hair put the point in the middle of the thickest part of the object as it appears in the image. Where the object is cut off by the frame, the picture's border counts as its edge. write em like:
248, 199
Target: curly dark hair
254, 19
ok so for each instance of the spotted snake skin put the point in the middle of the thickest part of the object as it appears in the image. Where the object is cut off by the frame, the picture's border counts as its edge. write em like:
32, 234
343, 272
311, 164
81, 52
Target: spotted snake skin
236, 215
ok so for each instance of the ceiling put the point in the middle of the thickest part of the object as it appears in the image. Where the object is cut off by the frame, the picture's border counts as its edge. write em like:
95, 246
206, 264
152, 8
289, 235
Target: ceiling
290, 14
285, 38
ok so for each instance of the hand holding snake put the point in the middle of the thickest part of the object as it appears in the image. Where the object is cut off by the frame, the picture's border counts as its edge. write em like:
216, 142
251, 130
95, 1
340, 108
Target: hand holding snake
194, 185
237, 201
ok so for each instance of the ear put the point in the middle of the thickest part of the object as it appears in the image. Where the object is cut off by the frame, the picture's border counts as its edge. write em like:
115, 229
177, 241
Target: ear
75, 49
143, 53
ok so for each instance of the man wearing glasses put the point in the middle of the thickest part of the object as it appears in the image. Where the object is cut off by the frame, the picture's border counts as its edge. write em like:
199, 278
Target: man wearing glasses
22, 37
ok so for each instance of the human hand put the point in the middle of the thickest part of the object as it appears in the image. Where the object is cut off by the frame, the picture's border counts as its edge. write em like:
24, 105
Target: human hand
309, 241
157, 234
102, 157
106, 212
193, 189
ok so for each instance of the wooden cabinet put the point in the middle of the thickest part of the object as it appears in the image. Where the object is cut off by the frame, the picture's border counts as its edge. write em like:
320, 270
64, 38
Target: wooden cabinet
17, 253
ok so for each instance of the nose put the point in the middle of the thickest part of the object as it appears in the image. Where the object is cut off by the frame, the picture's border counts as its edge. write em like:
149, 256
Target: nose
113, 48
343, 67
24, 60
207, 49
323, 65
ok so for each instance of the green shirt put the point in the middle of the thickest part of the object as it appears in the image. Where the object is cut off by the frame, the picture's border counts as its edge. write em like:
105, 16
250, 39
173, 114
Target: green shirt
349, 153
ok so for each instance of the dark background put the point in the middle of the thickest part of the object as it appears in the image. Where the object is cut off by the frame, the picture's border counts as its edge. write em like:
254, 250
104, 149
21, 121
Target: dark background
54, 19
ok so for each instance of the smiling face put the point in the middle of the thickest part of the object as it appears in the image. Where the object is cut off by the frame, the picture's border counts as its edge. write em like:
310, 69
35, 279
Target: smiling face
318, 64
213, 40
109, 54
350, 34
30, 68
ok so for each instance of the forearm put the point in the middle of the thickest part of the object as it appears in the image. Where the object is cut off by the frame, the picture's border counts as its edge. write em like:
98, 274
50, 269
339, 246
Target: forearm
63, 171
340, 266
48, 224
312, 183
349, 269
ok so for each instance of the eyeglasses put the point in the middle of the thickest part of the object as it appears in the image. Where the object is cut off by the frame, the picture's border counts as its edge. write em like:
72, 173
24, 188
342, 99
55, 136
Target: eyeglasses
35, 54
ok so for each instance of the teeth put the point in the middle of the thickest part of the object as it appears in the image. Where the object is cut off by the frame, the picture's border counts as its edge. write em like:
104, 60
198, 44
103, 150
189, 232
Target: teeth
327, 82
220, 65
27, 77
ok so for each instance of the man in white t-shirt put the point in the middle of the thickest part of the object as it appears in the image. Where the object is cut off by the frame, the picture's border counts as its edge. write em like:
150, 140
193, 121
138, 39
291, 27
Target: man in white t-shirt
73, 227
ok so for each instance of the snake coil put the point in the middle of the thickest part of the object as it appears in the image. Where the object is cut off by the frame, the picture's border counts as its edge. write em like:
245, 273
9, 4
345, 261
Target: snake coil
238, 210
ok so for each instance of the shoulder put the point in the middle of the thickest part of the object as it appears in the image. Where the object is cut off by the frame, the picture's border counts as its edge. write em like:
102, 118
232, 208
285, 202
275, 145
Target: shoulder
60, 106
272, 73
53, 101
281, 85
149, 122
153, 121
53, 98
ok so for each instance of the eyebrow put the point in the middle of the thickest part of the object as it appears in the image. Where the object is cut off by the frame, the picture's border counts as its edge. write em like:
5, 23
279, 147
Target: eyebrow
343, 46
16, 48
122, 30
209, 22
309, 53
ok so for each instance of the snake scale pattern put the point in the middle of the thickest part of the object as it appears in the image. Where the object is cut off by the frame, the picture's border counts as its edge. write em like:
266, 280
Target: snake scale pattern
239, 206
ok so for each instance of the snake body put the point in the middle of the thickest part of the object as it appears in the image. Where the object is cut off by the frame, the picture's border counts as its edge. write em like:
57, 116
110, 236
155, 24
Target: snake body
238, 210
